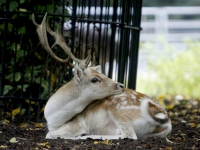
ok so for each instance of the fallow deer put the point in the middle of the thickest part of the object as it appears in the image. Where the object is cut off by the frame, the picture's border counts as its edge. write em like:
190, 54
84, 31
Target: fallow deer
87, 85
126, 115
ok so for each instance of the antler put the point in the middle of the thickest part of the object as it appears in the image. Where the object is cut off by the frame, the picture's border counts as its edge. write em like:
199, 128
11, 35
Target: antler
59, 40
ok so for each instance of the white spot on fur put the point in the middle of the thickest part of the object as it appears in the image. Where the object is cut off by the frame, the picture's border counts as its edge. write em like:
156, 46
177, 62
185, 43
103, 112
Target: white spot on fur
109, 103
123, 98
124, 102
130, 107
133, 96
135, 93
114, 101
118, 105
160, 115
123, 95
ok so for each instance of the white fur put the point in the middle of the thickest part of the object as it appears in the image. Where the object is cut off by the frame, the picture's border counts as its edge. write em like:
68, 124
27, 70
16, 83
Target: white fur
114, 118
160, 115
73, 97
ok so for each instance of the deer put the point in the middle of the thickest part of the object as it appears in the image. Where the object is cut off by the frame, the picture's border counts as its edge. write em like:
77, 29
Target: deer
127, 115
116, 113
87, 85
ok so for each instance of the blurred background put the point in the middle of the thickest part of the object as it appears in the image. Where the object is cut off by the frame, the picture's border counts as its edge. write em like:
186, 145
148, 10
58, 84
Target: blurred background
169, 53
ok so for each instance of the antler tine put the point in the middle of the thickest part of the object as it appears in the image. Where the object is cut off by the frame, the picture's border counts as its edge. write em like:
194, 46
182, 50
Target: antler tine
41, 30
94, 61
59, 40
87, 60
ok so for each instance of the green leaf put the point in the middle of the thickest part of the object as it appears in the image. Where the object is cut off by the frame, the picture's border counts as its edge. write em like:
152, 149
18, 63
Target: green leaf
2, 2
38, 67
7, 88
17, 76
10, 27
22, 1
22, 112
21, 53
22, 30
37, 80
50, 8
40, 8
2, 26
14, 16
9, 77
13, 140
13, 6
24, 87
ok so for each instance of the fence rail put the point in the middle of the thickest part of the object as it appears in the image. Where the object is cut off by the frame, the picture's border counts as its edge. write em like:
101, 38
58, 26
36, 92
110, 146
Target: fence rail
174, 23
28, 76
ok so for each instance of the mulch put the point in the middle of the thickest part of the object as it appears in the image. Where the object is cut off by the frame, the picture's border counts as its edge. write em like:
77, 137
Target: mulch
185, 135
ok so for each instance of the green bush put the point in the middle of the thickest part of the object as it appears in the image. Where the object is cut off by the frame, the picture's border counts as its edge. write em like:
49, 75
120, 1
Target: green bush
27, 69
171, 71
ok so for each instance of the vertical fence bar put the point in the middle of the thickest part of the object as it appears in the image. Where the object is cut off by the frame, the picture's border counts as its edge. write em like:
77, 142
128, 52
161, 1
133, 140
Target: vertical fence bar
112, 42
122, 44
73, 18
135, 44
121, 54
4, 48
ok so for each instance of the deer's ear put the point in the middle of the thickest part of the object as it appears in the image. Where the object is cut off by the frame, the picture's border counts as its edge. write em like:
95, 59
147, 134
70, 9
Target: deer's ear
98, 68
78, 73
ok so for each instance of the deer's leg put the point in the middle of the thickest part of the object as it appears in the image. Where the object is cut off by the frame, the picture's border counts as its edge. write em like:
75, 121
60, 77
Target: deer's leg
103, 137
70, 130
126, 129
124, 124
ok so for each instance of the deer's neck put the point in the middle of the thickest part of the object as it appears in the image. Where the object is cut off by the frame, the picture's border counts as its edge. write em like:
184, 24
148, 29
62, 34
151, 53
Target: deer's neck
74, 92
68, 101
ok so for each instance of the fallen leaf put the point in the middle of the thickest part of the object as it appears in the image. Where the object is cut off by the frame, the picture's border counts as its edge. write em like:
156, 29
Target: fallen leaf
192, 124
183, 112
15, 111
168, 148
90, 148
30, 102
13, 140
195, 111
8, 114
96, 142
39, 125
107, 142
198, 126
46, 144
5, 121
168, 140
23, 125
192, 118
42, 109
29, 129
170, 106
2, 146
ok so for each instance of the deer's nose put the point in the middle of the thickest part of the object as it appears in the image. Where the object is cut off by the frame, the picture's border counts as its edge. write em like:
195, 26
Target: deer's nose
119, 85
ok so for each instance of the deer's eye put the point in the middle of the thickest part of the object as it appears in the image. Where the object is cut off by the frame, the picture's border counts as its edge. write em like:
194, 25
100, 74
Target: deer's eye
94, 80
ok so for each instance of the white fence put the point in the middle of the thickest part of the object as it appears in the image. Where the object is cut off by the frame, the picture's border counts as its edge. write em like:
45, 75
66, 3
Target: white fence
174, 23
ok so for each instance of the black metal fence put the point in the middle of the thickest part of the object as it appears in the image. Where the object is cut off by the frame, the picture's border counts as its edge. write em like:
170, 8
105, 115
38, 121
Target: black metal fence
28, 76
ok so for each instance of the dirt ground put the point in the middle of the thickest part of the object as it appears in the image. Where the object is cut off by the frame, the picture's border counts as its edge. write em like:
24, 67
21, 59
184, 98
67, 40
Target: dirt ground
185, 135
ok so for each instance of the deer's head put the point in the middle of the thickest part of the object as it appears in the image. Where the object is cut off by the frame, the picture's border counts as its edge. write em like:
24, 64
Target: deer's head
89, 78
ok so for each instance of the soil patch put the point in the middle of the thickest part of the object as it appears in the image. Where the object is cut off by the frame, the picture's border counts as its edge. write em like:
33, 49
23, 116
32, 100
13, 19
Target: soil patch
185, 135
